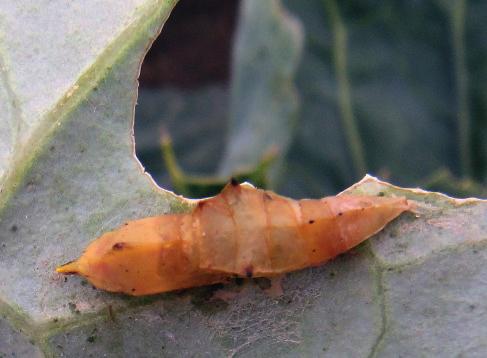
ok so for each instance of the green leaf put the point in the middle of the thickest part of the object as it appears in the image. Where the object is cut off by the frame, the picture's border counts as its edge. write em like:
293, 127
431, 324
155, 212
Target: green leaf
381, 90
263, 108
181, 129
263, 104
68, 172
14, 344
195, 120
204, 186
443, 181
403, 291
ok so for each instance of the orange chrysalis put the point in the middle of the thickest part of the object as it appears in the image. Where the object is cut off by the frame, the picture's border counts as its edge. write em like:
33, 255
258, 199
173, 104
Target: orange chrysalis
243, 231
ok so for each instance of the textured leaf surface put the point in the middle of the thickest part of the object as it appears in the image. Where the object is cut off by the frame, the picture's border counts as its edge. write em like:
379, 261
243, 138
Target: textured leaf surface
40, 69
15, 344
404, 291
68, 169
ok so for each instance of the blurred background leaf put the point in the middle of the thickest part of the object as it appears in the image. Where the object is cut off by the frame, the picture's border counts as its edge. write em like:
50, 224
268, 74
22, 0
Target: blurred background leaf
263, 108
396, 89
399, 72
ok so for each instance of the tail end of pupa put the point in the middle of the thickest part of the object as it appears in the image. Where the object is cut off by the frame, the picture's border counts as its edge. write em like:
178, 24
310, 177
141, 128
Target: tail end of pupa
69, 268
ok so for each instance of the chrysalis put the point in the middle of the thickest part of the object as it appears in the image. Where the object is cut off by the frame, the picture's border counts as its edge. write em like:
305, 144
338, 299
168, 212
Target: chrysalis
243, 231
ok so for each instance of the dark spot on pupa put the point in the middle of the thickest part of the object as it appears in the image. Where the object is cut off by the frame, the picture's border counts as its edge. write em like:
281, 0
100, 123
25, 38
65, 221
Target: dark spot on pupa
126, 224
118, 246
314, 250
340, 213
311, 222
249, 271
133, 290
126, 270
234, 182
381, 193
267, 196
14, 228
201, 204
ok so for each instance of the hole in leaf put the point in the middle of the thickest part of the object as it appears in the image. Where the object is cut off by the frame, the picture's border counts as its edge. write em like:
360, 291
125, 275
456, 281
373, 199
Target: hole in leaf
184, 89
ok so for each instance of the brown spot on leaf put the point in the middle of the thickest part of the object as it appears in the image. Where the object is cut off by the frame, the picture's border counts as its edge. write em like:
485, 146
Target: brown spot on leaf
111, 315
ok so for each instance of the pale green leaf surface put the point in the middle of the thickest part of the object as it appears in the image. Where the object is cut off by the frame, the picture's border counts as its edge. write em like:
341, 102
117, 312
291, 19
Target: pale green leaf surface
14, 344
69, 170
364, 303
319, 309
45, 47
